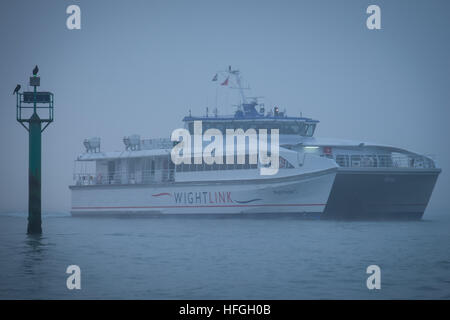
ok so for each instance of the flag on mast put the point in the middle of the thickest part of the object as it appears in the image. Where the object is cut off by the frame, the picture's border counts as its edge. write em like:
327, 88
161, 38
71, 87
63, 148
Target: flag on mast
225, 83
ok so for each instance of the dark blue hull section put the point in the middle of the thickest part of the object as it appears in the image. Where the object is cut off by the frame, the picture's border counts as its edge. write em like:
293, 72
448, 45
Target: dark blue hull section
374, 194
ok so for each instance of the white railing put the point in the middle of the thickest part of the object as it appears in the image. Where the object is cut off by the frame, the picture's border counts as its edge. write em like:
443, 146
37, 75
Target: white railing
384, 161
161, 143
123, 177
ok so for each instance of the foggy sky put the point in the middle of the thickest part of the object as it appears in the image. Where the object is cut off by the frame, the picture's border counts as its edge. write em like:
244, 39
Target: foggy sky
139, 66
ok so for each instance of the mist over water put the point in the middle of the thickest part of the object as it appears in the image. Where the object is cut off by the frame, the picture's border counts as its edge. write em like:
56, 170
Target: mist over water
224, 258
138, 67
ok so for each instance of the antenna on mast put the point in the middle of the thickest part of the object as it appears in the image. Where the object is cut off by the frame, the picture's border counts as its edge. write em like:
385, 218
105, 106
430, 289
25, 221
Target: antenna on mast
236, 74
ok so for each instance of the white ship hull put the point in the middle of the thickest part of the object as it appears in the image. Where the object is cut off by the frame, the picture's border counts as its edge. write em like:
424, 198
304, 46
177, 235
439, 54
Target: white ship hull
303, 193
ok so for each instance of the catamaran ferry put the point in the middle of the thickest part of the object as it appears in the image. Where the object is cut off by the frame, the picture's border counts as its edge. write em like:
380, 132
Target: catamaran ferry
329, 178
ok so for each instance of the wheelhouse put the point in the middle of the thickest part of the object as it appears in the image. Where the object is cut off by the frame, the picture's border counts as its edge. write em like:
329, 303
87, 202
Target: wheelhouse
247, 117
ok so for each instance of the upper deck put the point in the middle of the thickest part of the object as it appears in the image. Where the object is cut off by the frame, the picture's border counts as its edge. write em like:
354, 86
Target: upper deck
247, 117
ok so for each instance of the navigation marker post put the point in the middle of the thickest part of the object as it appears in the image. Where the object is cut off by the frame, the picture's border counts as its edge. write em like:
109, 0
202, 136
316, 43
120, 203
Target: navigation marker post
40, 105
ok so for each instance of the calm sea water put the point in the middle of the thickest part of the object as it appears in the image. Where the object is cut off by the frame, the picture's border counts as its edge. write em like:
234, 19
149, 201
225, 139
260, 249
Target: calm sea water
224, 257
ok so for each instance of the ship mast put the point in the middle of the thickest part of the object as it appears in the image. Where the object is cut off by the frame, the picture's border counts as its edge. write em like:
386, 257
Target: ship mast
236, 75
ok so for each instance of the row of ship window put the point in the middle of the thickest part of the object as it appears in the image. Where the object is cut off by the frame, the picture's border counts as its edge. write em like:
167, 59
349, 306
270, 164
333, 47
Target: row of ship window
284, 164
297, 128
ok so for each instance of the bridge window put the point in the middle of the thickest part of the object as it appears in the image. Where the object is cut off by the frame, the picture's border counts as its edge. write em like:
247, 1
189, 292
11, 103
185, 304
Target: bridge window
285, 127
308, 130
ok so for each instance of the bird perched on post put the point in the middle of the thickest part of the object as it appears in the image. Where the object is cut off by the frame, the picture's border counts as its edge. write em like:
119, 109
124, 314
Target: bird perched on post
35, 70
16, 89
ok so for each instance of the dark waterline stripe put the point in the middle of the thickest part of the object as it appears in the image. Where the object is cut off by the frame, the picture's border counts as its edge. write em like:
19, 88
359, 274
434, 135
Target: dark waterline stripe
207, 206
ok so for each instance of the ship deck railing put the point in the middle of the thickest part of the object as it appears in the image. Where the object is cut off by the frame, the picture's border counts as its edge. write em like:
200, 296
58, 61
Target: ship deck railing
124, 177
385, 161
